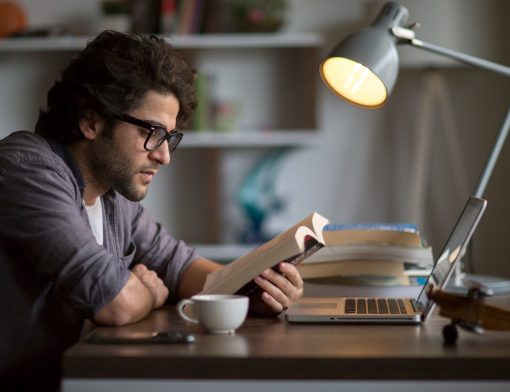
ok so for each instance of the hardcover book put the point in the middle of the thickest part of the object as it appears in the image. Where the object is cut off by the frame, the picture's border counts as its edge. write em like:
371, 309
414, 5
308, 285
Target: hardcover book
292, 246
404, 234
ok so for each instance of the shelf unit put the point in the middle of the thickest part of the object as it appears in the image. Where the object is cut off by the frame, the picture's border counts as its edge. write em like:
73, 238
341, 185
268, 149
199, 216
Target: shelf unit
192, 44
278, 85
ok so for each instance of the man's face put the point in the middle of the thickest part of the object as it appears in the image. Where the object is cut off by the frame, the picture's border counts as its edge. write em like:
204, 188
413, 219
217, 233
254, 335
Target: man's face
117, 157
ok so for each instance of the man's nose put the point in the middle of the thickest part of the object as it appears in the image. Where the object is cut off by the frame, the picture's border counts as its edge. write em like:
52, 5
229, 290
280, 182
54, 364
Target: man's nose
161, 154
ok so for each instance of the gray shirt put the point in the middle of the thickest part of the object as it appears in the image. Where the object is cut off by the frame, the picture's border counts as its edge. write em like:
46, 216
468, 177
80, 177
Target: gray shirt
53, 274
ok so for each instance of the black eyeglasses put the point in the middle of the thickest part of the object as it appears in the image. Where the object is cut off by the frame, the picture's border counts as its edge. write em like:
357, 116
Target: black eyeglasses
157, 134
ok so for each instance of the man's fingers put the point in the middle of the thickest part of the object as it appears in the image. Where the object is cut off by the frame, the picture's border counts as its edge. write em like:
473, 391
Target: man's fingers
153, 283
290, 283
150, 277
273, 295
273, 303
139, 270
282, 288
293, 276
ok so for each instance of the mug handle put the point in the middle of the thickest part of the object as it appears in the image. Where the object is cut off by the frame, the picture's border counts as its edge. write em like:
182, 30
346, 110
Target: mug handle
180, 309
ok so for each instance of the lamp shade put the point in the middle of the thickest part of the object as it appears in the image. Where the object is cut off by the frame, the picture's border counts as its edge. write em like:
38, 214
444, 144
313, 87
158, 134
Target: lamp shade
363, 68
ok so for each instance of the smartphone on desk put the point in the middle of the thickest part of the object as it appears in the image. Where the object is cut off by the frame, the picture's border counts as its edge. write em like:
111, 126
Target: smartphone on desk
114, 336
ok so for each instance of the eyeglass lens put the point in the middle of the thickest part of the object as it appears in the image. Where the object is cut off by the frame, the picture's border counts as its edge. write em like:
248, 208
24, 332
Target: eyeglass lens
159, 135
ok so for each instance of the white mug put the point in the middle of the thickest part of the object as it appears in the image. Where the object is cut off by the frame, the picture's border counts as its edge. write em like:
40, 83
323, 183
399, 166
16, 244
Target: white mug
217, 313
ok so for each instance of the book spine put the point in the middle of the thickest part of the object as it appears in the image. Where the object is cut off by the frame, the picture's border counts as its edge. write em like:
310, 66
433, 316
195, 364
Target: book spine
168, 16
201, 113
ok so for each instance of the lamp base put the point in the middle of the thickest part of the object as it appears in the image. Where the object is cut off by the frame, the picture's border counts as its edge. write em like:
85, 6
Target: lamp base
498, 285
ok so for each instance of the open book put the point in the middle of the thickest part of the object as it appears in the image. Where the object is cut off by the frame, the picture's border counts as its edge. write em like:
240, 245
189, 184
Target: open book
292, 246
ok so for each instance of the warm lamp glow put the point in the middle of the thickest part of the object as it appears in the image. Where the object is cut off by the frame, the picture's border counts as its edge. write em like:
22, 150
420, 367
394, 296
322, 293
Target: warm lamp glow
354, 82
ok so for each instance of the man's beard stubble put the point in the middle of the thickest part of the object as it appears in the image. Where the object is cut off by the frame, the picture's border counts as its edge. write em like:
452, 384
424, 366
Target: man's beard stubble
110, 168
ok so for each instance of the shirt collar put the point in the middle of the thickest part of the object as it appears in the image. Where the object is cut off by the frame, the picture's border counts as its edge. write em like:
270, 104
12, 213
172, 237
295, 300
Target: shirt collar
63, 152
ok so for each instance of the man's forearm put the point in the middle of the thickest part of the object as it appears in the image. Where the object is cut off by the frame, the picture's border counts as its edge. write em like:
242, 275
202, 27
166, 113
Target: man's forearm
193, 278
131, 304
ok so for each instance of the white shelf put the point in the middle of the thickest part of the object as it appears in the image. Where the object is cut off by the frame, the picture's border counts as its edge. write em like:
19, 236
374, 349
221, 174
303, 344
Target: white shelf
203, 139
206, 41
267, 40
281, 138
43, 44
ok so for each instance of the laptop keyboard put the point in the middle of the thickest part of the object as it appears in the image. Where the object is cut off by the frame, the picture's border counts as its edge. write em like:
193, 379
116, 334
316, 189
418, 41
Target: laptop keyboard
375, 306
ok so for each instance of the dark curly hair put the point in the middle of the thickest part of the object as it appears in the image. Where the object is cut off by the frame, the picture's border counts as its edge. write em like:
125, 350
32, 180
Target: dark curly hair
110, 77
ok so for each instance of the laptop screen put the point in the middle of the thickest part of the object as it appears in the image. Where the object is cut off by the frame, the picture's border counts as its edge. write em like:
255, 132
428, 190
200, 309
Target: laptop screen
453, 250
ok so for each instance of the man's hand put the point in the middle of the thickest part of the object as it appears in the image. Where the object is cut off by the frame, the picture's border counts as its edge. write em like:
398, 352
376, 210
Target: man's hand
153, 283
279, 290
142, 292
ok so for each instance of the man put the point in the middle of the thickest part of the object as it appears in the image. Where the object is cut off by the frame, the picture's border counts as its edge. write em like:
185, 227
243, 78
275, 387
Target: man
75, 242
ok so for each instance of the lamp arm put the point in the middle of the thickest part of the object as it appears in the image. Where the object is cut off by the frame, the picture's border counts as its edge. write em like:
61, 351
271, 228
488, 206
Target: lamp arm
462, 57
493, 157
407, 36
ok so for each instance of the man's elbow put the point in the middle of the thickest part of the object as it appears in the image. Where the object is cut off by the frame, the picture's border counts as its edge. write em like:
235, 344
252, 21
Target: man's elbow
113, 315
120, 311
131, 304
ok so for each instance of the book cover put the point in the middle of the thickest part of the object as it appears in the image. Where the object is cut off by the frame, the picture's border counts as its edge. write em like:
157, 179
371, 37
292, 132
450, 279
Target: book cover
383, 268
404, 234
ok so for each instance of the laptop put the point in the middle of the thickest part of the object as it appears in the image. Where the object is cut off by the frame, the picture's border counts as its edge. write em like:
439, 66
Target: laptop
394, 310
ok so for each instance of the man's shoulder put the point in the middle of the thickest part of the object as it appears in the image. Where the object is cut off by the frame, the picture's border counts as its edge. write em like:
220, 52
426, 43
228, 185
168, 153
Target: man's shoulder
24, 142
25, 147
29, 165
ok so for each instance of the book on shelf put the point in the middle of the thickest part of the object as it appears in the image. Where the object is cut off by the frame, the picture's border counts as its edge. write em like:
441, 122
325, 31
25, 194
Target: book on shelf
202, 113
293, 246
181, 17
370, 254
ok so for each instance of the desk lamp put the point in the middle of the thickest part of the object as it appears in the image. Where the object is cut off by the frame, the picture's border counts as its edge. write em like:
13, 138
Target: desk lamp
362, 69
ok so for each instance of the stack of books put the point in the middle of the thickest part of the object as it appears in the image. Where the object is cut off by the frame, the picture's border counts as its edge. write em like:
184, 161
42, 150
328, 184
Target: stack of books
370, 255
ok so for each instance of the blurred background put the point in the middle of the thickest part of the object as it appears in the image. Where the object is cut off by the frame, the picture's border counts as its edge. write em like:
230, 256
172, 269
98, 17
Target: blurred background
270, 143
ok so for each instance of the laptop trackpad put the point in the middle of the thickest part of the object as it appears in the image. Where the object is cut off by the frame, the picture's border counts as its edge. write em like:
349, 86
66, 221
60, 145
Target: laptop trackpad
316, 308
315, 305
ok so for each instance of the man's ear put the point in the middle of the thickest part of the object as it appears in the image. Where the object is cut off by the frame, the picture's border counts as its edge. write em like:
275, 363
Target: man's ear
91, 124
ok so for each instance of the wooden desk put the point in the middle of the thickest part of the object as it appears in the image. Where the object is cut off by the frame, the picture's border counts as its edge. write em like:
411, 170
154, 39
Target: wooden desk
271, 349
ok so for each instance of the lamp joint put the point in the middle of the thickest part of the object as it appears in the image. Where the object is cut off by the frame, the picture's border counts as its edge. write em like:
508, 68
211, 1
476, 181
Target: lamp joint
403, 33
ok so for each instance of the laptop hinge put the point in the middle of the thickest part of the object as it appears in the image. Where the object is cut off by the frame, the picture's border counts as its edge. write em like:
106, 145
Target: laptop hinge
418, 307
